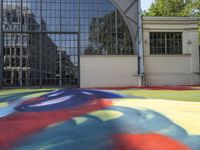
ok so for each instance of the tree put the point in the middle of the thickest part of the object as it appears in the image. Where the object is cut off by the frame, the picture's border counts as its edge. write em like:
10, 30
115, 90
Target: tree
103, 34
175, 8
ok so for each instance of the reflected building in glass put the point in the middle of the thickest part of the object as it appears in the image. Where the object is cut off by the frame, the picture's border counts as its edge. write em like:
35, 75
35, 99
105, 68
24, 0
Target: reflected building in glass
21, 50
44, 39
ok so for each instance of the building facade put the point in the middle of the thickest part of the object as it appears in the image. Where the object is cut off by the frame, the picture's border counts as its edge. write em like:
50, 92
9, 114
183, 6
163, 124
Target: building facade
87, 43
42, 40
171, 50
171, 57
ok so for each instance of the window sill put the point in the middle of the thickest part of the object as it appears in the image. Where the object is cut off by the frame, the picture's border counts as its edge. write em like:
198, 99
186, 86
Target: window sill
168, 55
108, 55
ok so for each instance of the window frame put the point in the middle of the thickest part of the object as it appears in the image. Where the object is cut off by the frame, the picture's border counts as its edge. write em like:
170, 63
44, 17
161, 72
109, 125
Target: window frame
165, 48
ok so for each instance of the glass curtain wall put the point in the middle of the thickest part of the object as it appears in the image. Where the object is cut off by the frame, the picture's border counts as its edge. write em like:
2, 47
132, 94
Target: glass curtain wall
103, 30
43, 39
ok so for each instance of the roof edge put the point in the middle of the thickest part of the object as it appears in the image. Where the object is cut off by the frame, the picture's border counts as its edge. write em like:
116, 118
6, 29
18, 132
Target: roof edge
166, 18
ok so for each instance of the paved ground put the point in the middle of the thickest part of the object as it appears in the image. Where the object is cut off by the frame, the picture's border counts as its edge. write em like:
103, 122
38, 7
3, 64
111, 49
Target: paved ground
155, 118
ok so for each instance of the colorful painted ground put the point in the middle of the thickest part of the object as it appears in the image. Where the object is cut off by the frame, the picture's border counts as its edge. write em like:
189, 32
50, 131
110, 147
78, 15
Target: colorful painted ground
154, 118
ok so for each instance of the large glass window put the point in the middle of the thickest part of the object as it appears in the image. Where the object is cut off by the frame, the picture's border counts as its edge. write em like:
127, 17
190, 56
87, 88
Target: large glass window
103, 30
165, 43
42, 43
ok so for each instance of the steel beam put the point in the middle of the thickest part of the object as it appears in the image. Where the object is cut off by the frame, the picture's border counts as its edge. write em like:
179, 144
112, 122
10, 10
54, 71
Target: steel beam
132, 14
40, 47
79, 45
140, 46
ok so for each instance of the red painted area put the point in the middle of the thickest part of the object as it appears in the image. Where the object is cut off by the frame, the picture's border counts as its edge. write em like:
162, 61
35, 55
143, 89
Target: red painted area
20, 125
147, 142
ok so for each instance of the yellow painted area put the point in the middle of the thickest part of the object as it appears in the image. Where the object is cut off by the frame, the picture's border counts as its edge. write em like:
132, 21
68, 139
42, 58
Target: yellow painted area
80, 120
184, 114
107, 115
187, 95
4, 104
16, 91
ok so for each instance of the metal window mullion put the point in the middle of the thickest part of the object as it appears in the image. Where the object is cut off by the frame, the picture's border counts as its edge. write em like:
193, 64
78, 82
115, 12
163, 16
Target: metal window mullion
21, 46
165, 43
60, 16
60, 51
27, 64
79, 44
45, 32
40, 47
98, 49
157, 47
1, 45
116, 32
60, 62
181, 40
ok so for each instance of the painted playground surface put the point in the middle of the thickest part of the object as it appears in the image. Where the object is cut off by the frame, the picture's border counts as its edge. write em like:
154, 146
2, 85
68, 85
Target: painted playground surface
156, 118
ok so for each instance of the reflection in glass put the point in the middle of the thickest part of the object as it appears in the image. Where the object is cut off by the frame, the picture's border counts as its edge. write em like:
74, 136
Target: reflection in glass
41, 38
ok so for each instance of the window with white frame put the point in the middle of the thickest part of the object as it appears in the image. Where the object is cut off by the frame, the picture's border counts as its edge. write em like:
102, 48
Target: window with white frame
165, 43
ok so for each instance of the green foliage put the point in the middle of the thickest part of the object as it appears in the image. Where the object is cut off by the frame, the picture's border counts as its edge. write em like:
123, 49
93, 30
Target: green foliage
174, 8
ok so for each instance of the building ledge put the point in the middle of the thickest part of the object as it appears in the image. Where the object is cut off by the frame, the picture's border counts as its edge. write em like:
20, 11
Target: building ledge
179, 55
164, 18
109, 56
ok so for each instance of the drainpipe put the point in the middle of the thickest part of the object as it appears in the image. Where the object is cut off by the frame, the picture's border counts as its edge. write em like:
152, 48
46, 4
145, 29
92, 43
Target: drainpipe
140, 48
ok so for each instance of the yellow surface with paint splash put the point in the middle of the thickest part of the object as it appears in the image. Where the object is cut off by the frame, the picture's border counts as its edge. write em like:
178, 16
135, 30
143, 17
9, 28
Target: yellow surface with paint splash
80, 120
184, 95
4, 104
107, 115
17, 91
184, 114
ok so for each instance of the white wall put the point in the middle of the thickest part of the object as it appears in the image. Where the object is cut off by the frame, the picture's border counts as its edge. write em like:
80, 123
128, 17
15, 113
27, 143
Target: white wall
168, 70
108, 71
